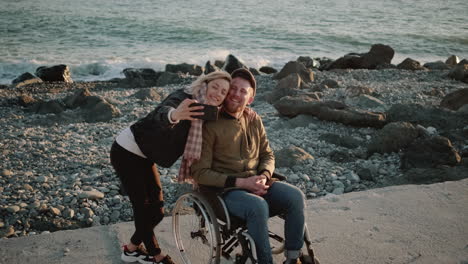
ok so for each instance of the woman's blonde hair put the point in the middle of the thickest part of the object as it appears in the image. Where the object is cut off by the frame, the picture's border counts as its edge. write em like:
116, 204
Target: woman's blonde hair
205, 79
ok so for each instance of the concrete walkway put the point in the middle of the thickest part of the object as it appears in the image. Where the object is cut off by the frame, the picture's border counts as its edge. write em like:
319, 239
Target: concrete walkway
399, 224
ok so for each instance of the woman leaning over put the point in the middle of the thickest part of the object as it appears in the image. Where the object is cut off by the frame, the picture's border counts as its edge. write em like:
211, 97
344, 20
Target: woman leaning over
160, 139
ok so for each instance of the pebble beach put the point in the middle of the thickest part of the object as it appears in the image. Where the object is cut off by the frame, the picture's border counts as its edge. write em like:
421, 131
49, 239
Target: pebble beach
56, 174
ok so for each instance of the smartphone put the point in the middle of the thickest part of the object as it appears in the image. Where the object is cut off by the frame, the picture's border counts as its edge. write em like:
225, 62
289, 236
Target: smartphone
210, 112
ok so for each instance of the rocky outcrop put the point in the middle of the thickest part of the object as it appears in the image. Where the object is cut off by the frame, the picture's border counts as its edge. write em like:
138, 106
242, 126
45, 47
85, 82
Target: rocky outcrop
367, 102
460, 72
57, 73
379, 54
287, 86
452, 60
410, 64
430, 153
140, 77
438, 65
291, 156
232, 63
308, 62
168, 78
268, 70
329, 111
185, 68
455, 100
209, 68
101, 111
91, 108
393, 137
291, 67
26, 79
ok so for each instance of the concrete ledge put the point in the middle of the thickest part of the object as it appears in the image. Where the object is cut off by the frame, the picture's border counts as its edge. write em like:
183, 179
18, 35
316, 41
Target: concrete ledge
399, 224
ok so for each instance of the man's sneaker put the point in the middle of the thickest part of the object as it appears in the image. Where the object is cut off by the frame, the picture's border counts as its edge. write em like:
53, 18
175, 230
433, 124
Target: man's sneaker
133, 256
151, 260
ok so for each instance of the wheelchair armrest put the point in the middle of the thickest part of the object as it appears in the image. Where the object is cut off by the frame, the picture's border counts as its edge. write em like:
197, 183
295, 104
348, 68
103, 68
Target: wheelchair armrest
278, 176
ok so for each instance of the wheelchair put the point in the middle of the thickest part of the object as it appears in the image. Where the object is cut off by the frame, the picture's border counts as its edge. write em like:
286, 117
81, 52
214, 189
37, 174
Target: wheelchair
204, 232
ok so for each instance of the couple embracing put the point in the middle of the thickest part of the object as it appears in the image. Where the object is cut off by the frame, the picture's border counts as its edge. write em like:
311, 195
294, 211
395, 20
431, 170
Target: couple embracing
232, 151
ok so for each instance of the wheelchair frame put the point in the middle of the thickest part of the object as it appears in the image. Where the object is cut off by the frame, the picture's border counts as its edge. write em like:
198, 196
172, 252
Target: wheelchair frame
221, 236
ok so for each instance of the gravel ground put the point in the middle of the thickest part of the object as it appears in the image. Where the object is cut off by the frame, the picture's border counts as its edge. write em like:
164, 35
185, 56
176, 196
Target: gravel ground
56, 174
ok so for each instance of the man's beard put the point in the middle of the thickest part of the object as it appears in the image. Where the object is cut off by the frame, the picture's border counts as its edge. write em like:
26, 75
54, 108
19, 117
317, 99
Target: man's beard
233, 107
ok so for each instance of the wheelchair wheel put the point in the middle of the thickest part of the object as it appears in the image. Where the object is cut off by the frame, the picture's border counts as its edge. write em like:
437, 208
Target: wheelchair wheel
196, 230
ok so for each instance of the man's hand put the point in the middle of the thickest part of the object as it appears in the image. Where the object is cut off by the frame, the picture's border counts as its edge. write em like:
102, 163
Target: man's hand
185, 112
255, 184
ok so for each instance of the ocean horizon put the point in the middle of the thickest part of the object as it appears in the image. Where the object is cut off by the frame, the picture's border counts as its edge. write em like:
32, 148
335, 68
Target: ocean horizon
98, 39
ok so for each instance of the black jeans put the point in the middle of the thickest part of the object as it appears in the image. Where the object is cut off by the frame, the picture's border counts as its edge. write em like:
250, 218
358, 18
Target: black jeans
140, 180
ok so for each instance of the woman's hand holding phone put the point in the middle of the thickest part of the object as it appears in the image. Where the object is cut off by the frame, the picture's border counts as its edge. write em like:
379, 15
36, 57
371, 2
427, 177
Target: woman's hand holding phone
187, 112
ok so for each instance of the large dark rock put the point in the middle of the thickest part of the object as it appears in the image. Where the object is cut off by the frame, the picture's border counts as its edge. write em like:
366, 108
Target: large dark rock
268, 70
254, 71
455, 100
440, 118
308, 62
102, 111
452, 60
432, 175
57, 73
140, 77
209, 68
191, 69
167, 78
291, 156
289, 85
429, 153
410, 64
219, 63
77, 99
26, 79
91, 108
232, 63
329, 111
349, 61
392, 138
379, 54
460, 72
291, 67
437, 65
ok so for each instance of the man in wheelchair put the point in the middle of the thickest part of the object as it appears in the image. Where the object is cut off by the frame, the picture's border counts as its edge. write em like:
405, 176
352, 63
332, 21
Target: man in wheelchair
238, 161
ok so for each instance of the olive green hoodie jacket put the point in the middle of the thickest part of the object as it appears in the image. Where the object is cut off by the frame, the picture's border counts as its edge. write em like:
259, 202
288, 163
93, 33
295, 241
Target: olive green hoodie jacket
233, 148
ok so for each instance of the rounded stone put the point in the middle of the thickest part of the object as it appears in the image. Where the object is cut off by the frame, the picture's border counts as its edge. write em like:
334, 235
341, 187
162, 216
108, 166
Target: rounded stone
13, 209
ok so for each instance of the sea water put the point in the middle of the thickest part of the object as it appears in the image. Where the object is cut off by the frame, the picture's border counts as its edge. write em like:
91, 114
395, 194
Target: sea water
100, 38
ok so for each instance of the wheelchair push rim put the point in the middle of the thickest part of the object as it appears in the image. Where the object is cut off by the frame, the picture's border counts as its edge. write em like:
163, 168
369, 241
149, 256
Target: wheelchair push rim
194, 224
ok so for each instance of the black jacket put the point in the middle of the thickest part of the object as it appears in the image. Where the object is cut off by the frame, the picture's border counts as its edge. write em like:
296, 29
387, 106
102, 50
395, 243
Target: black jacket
160, 141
